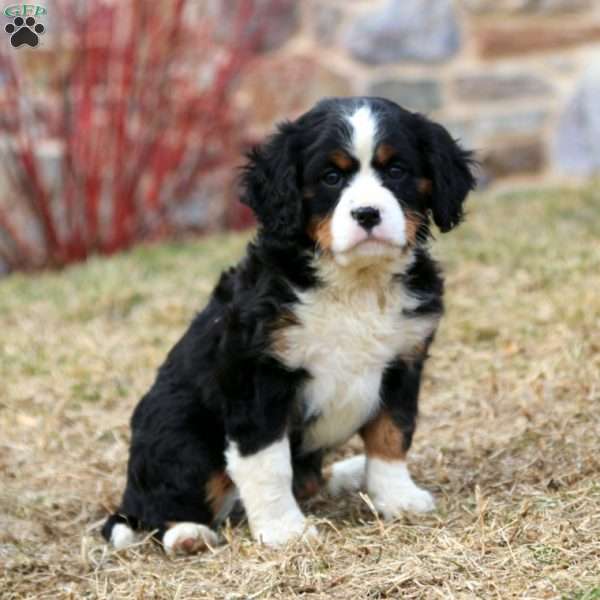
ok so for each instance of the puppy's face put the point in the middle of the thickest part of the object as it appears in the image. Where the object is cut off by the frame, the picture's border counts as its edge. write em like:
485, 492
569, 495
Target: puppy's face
359, 177
363, 191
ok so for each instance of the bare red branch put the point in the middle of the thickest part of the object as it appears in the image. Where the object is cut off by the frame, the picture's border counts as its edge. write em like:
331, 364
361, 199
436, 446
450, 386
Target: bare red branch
138, 103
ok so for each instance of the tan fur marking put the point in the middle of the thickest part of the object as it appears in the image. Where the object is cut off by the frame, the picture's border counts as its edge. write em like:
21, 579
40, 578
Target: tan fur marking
279, 340
341, 160
384, 153
413, 222
420, 350
216, 490
383, 438
424, 186
418, 353
319, 230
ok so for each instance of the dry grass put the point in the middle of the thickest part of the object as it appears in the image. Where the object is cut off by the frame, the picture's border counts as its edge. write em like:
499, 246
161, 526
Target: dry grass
509, 439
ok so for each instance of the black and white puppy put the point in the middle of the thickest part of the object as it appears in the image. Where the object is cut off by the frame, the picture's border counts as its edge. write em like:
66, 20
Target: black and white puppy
320, 332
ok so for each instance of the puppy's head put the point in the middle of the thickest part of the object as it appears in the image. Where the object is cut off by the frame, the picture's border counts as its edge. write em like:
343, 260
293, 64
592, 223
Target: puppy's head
358, 177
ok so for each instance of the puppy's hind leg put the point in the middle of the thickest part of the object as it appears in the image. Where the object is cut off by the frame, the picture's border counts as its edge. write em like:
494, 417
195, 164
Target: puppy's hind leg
188, 538
188, 535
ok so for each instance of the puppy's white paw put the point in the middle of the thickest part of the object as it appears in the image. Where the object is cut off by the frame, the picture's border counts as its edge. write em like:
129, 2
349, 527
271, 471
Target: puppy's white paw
188, 538
393, 491
418, 500
391, 504
347, 475
286, 529
122, 536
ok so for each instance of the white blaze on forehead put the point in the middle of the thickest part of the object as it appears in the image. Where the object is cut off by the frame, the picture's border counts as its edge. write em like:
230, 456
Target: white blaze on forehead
364, 135
365, 189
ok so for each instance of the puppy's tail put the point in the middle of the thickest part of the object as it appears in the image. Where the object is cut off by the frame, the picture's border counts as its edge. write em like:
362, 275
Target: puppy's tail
120, 530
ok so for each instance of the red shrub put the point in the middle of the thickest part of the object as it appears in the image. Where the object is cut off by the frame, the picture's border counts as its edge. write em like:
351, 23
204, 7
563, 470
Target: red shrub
137, 99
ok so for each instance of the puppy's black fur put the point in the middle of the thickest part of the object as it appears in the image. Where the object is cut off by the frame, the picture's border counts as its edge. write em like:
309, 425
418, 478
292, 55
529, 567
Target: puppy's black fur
221, 382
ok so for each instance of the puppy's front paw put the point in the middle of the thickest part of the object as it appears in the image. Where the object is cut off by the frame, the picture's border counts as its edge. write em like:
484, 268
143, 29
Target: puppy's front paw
393, 491
286, 529
393, 502
347, 475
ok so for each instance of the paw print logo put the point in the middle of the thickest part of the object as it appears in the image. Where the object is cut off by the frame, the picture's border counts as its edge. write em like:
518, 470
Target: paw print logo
24, 31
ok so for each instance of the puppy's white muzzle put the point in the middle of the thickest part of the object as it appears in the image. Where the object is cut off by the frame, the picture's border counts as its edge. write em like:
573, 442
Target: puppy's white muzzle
354, 222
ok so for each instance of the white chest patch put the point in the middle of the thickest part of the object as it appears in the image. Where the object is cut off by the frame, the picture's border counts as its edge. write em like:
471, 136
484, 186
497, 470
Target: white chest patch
346, 336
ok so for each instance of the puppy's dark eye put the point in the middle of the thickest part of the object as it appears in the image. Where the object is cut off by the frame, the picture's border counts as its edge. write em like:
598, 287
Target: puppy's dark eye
332, 177
396, 172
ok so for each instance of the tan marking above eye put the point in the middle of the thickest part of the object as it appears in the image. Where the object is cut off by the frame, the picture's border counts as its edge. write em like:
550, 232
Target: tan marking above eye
308, 193
384, 154
341, 159
424, 186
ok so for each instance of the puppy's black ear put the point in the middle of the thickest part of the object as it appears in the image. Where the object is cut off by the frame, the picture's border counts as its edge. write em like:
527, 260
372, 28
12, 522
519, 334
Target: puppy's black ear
271, 183
448, 167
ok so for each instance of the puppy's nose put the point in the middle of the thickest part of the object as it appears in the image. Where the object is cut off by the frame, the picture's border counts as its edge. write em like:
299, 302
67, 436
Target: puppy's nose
366, 216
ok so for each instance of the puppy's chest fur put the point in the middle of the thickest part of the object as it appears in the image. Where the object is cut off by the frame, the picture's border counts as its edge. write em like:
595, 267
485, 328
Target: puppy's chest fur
344, 336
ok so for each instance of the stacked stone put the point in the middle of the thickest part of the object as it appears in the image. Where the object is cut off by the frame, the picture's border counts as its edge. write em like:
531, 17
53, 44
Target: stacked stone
519, 80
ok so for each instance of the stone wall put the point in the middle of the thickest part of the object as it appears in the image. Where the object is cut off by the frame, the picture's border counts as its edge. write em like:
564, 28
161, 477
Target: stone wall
518, 80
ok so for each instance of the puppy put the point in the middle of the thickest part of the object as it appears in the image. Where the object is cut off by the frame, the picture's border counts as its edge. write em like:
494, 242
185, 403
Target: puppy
320, 332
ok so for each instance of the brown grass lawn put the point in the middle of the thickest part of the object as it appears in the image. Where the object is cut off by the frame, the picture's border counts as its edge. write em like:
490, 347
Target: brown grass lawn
509, 437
